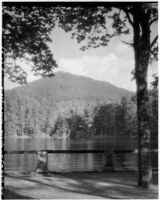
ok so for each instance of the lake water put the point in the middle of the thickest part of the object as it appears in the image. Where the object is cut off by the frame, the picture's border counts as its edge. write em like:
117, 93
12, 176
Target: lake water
67, 162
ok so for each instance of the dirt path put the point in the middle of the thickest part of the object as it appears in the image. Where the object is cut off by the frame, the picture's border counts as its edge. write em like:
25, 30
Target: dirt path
91, 185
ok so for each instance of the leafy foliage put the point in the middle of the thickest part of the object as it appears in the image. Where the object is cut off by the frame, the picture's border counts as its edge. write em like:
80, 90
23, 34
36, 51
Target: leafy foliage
96, 26
26, 31
116, 119
154, 84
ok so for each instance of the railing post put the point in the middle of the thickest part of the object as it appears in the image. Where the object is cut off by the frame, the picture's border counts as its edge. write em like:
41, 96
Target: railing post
109, 161
42, 162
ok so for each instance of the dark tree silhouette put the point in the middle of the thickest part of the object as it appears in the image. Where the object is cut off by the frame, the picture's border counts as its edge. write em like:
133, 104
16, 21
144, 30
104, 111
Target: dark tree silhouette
26, 31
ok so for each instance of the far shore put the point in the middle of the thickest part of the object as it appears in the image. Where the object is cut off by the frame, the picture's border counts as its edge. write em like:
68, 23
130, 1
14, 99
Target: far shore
43, 135
27, 136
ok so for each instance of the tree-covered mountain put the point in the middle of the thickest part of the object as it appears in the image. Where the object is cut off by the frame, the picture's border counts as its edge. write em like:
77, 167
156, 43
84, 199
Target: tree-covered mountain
36, 107
66, 86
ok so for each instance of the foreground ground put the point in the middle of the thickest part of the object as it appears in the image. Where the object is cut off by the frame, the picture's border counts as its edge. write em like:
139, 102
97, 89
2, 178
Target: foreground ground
83, 185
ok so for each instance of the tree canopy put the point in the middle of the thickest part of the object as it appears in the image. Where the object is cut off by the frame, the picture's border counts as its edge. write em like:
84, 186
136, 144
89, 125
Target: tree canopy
98, 25
27, 28
26, 31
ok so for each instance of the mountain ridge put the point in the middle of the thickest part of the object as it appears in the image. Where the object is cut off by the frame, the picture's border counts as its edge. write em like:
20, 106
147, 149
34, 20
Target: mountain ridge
39, 104
61, 73
72, 86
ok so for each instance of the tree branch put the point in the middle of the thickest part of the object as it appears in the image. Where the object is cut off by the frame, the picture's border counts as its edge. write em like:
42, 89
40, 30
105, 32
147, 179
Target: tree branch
127, 11
154, 41
153, 20
127, 43
94, 29
129, 18
119, 13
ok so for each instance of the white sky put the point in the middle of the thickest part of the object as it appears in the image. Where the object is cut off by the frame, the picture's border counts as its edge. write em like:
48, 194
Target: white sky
112, 63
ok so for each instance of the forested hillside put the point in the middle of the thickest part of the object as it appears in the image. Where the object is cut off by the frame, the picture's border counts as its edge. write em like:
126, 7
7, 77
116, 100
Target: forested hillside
69, 105
66, 86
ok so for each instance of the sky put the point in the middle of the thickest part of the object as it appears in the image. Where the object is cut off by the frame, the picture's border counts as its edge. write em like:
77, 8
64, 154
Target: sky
113, 63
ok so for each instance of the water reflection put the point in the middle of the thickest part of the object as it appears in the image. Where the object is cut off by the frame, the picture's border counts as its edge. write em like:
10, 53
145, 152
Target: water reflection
64, 162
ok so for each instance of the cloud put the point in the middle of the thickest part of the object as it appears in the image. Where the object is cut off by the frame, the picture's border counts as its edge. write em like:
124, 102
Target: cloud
123, 48
108, 68
112, 68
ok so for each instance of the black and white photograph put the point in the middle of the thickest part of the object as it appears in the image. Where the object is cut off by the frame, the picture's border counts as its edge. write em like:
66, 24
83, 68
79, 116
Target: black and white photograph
80, 100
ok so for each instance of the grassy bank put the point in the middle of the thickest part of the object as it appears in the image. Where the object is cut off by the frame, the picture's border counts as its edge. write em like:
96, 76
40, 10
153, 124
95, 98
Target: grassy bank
83, 185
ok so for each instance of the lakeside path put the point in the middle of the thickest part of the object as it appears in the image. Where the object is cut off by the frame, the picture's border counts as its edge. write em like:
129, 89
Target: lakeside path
77, 185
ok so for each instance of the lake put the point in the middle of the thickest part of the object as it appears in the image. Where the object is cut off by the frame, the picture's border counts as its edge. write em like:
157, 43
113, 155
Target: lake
67, 162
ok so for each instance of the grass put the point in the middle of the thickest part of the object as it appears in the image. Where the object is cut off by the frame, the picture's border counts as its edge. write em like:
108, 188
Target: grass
77, 185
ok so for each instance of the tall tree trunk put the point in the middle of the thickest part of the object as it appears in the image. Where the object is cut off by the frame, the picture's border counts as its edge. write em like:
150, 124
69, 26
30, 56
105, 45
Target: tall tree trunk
144, 132
142, 51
